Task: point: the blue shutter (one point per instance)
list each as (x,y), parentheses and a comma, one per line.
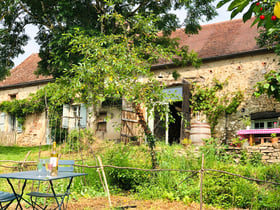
(65,116)
(83,115)
(2,121)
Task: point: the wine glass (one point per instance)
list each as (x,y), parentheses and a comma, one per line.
(40,167)
(48,167)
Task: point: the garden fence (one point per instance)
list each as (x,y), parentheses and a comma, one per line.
(22,165)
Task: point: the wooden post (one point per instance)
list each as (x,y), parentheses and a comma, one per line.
(201,181)
(105,180)
(167,128)
(251,139)
(186,118)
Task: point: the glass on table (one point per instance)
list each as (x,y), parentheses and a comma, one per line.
(48,167)
(40,164)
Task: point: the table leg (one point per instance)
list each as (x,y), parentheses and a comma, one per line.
(19,197)
(66,193)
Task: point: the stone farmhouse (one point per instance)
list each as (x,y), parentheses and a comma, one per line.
(228,51)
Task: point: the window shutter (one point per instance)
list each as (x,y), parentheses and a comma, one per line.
(65,116)
(2,121)
(19,127)
(83,115)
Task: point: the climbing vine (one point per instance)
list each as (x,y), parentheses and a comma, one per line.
(43,100)
(210,101)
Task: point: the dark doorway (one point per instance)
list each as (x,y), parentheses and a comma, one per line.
(175,127)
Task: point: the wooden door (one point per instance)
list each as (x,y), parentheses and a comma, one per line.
(130,128)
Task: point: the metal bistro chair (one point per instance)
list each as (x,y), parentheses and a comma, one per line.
(6,197)
(63,166)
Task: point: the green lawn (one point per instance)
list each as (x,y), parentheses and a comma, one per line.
(19,153)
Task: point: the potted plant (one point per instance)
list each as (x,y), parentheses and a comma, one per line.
(247,122)
(238,142)
(274,138)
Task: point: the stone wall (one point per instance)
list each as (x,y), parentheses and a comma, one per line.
(242,73)
(270,153)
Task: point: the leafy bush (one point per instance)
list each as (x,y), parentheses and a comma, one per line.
(219,189)
(126,156)
(78,139)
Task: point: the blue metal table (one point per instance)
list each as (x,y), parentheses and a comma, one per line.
(34,175)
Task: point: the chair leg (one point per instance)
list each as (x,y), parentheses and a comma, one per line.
(6,206)
(34,204)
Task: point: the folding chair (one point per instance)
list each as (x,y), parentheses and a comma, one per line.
(6,197)
(63,166)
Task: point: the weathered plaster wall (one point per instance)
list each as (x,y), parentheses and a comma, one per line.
(34,129)
(242,73)
(111,123)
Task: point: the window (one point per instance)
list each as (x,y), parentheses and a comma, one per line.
(74,116)
(12,123)
(13,96)
(265,123)
(9,123)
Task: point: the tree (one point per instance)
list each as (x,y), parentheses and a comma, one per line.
(57,17)
(267,18)
(100,49)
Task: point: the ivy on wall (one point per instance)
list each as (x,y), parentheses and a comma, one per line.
(21,108)
(42,100)
(212,102)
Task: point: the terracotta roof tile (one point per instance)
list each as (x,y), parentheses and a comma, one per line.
(219,39)
(24,72)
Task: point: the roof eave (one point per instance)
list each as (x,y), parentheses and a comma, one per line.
(213,58)
(25,84)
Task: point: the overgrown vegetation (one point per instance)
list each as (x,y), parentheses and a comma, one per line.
(219,189)
(207,99)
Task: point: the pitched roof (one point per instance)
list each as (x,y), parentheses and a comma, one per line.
(24,73)
(220,39)
(213,40)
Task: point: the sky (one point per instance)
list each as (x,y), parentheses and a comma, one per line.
(32,47)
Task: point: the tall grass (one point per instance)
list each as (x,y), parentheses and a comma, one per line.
(220,190)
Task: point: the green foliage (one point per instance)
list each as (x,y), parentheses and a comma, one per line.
(268,36)
(175,75)
(214,151)
(79,139)
(206,99)
(238,141)
(219,189)
(56,18)
(269,86)
(125,156)
(256,159)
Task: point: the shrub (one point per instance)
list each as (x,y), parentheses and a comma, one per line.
(78,139)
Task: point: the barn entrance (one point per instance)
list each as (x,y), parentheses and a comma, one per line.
(170,134)
(175,127)
(173,130)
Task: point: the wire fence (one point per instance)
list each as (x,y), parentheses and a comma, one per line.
(25,165)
